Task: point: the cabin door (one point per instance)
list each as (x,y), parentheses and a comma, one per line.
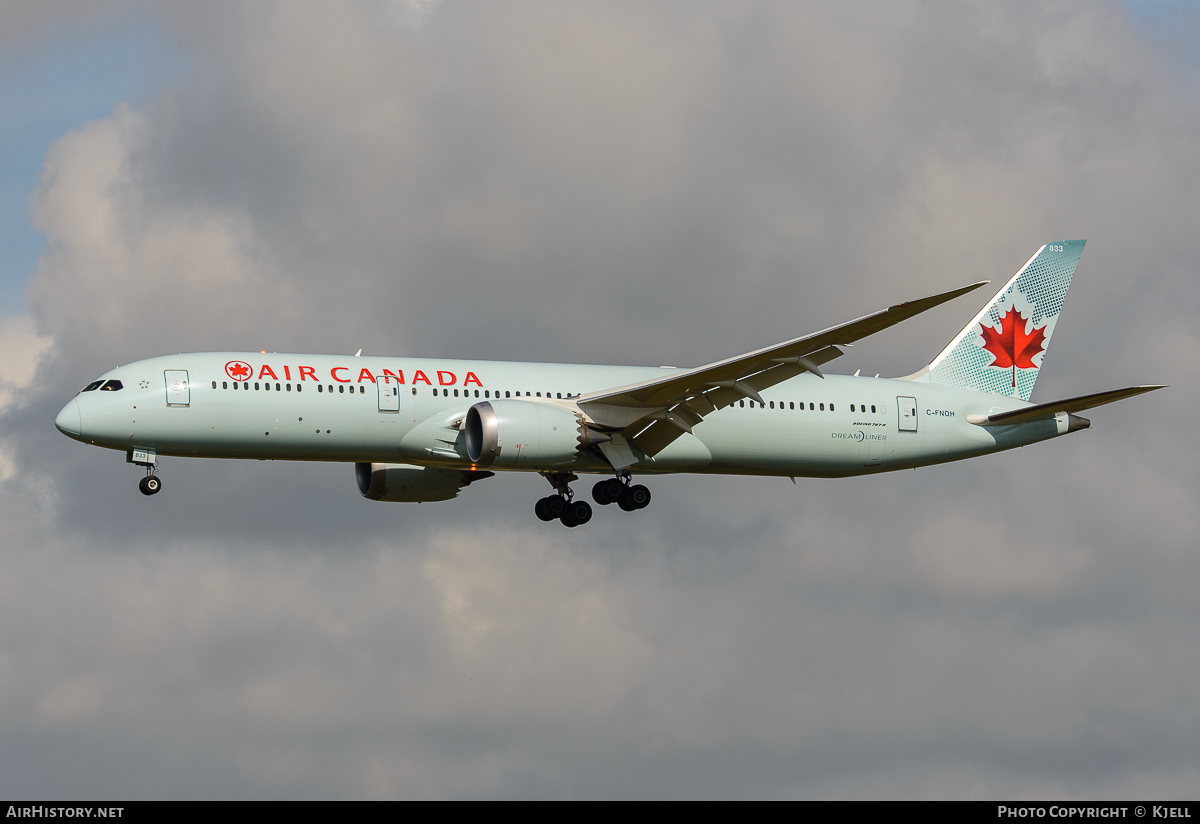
(179,391)
(389,393)
(906,408)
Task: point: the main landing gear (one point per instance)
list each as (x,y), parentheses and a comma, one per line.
(563,506)
(622,492)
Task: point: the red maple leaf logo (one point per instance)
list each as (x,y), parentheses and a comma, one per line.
(1010,345)
(238,370)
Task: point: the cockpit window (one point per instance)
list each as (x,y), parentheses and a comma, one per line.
(91,387)
(111,386)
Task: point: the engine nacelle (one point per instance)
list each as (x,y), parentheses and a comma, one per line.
(414,484)
(512,433)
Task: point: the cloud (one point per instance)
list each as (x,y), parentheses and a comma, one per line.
(22,349)
(600,183)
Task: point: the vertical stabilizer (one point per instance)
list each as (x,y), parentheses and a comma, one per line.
(1001,350)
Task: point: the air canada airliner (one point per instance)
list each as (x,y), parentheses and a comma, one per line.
(422,429)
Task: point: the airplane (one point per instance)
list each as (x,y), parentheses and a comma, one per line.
(421,430)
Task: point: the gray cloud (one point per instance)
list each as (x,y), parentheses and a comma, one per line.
(612,183)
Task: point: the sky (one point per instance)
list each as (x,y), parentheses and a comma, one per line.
(638,183)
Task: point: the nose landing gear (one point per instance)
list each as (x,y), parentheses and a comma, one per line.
(151,484)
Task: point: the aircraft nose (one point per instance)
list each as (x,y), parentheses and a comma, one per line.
(68,420)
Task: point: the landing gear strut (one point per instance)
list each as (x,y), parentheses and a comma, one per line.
(563,506)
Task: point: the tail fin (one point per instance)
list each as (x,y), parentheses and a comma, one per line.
(1001,349)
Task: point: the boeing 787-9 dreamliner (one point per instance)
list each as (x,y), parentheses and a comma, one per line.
(422,429)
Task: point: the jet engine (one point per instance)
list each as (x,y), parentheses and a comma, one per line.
(513,433)
(406,482)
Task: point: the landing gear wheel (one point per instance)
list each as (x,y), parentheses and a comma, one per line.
(555,506)
(634,497)
(577,514)
(149,485)
(540,510)
(607,491)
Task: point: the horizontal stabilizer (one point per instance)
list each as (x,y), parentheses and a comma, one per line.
(1049,410)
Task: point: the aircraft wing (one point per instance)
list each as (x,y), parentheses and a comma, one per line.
(1049,410)
(651,414)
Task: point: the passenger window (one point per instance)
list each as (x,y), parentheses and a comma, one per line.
(224,384)
(830,407)
(276,387)
(872,407)
(506,393)
(414,390)
(320,388)
(742,404)
(289,387)
(558,395)
(792,405)
(342,390)
(851,407)
(822,407)
(362,390)
(299,387)
(486,393)
(810,407)
(772,404)
(477,393)
(256,386)
(539,394)
(214,384)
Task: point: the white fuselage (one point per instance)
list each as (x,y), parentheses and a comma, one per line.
(330,408)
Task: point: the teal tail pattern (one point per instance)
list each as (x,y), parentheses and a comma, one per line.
(1001,350)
